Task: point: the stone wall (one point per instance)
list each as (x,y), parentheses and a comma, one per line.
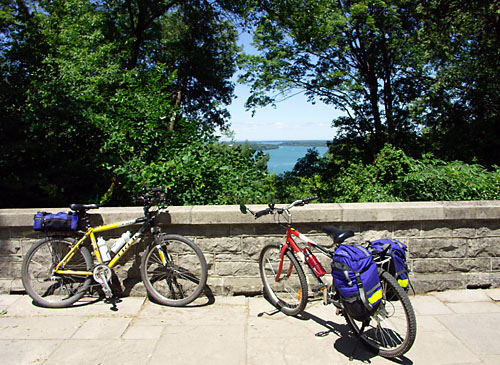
(452,245)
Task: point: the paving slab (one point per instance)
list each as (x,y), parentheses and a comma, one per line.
(88,306)
(474,307)
(202,344)
(478,331)
(144,329)
(221,311)
(462,296)
(101,351)
(8,300)
(41,328)
(102,328)
(440,347)
(429,305)
(494,294)
(27,351)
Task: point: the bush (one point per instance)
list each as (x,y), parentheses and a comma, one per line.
(393,176)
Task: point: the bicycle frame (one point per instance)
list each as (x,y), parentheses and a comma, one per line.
(90,233)
(296,249)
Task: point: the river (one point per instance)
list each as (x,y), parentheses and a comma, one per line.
(285,157)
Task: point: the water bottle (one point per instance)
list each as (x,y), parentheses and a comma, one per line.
(120,242)
(313,262)
(103,249)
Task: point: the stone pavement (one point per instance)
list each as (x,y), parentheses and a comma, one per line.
(454,327)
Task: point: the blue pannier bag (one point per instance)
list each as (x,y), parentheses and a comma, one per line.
(48,222)
(355,276)
(397,267)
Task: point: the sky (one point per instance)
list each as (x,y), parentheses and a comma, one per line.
(292,119)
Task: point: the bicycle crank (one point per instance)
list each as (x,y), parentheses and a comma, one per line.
(102,274)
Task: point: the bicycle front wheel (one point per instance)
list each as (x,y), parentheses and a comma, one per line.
(391,330)
(43,285)
(174,270)
(288,290)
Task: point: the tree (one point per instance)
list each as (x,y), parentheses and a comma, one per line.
(92,93)
(308,165)
(359,56)
(44,115)
(461,110)
(192,37)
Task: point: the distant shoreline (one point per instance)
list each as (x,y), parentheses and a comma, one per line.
(271,145)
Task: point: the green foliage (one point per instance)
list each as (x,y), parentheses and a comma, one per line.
(432,179)
(100,98)
(359,56)
(307,165)
(394,176)
(460,110)
(201,172)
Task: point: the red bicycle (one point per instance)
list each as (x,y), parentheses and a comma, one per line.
(390,331)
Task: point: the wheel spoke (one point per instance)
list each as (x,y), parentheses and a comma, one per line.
(174,271)
(287,290)
(46,288)
(392,328)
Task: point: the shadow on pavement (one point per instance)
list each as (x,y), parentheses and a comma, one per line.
(347,343)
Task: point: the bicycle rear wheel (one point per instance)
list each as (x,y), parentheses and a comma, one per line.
(391,330)
(48,289)
(288,292)
(174,270)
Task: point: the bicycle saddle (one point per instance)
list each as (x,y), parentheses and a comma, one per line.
(77,207)
(339,235)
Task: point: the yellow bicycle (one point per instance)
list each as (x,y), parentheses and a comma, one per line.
(59,269)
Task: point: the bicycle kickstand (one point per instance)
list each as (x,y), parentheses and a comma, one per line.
(351,358)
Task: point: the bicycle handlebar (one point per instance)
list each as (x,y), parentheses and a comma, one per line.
(272,208)
(153,197)
(260,213)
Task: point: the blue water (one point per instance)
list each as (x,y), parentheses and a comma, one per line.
(285,157)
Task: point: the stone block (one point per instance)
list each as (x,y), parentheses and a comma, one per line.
(461,230)
(10,247)
(10,268)
(319,213)
(424,283)
(495,264)
(370,231)
(389,212)
(220,245)
(237,268)
(483,247)
(251,247)
(404,230)
(488,228)
(436,229)
(438,247)
(450,265)
(200,230)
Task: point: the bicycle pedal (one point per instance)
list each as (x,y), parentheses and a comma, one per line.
(318,288)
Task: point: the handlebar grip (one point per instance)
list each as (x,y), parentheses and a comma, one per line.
(311,198)
(262,212)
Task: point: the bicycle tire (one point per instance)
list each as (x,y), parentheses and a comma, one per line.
(395,334)
(179,277)
(55,290)
(290,294)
